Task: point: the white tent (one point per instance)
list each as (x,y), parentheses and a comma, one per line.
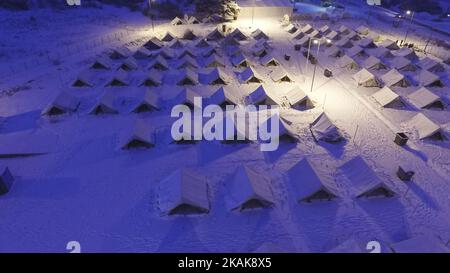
(325,29)
(333,35)
(298,99)
(249,75)
(215,35)
(366,43)
(120,78)
(363,30)
(356,51)
(210,51)
(298,34)
(168,37)
(6,180)
(192,20)
(366,79)
(307,29)
(344,42)
(183,192)
(202,43)
(258,96)
(240,132)
(280,75)
(344,30)
(153,78)
(347,62)
(353,36)
(149,102)
(291,28)
(159,63)
(431,65)
(303,42)
(428,79)
(269,60)
(425,243)
(403,64)
(405,52)
(386,97)
(240,61)
(389,44)
(175,44)
(365,182)
(424,98)
(229,42)
(64,103)
(373,63)
(138,137)
(129,63)
(102,62)
(334,51)
(259,34)
(142,53)
(238,35)
(187,62)
(187,52)
(249,189)
(425,127)
(120,53)
(222,97)
(394,78)
(84,79)
(311,183)
(323,129)
(188,77)
(153,44)
(216,76)
(260,51)
(285,133)
(176,21)
(104,105)
(189,35)
(315,34)
(381,52)
(214,61)
(167,53)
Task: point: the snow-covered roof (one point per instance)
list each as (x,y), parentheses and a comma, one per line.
(152,78)
(187,62)
(159,63)
(175,43)
(348,62)
(102,62)
(142,53)
(238,35)
(257,96)
(385,96)
(381,52)
(153,44)
(250,75)
(177,21)
(310,182)
(240,61)
(344,30)
(139,136)
(425,243)
(423,98)
(221,96)
(366,79)
(298,34)
(323,129)
(249,189)
(431,65)
(296,96)
(333,51)
(401,63)
(104,105)
(280,75)
(269,60)
(315,34)
(216,76)
(63,103)
(355,50)
(214,60)
(183,192)
(215,35)
(389,44)
(149,101)
(304,41)
(373,63)
(424,126)
(405,52)
(259,34)
(189,35)
(120,53)
(307,29)
(324,29)
(167,53)
(168,37)
(192,20)
(291,28)
(84,79)
(119,78)
(202,43)
(363,30)
(366,42)
(332,35)
(129,63)
(188,77)
(426,78)
(187,52)
(344,42)
(364,181)
(394,78)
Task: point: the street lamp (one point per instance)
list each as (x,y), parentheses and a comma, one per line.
(150,2)
(316,42)
(411,13)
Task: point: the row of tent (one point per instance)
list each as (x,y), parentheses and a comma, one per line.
(422,98)
(185,192)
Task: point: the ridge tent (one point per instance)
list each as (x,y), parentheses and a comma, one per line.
(334,51)
(139,137)
(153,44)
(347,62)
(120,78)
(259,34)
(104,105)
(259,96)
(183,193)
(249,189)
(129,64)
(229,42)
(353,36)
(240,61)
(356,51)
(176,21)
(285,133)
(280,75)
(214,61)
(215,77)
(365,182)
(6,180)
(344,42)
(187,52)
(323,129)
(168,37)
(188,77)
(64,103)
(102,62)
(428,79)
(166,53)
(403,64)
(389,44)
(315,34)
(238,35)
(382,52)
(84,79)
(153,78)
(291,28)
(431,65)
(210,51)
(333,35)
(202,43)
(260,51)
(344,30)
(175,44)
(297,99)
(367,43)
(159,63)
(298,35)
(189,35)
(425,243)
(249,75)
(148,102)
(193,20)
(142,53)
(269,60)
(405,52)
(426,128)
(187,62)
(120,53)
(366,79)
(424,98)
(215,35)
(221,97)
(325,29)
(374,63)
(394,78)
(363,30)
(387,98)
(311,183)
(307,29)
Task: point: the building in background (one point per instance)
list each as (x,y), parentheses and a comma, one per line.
(264,8)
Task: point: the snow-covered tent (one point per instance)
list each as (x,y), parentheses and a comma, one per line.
(303,42)
(347,62)
(64,103)
(240,61)
(167,53)
(323,129)
(424,98)
(229,42)
(356,51)
(381,52)
(373,63)
(394,78)
(298,99)
(214,61)
(350,245)
(216,77)
(148,102)
(120,78)
(365,182)
(210,51)
(84,79)
(431,65)
(425,127)
(344,42)
(183,193)
(142,53)
(333,35)
(102,62)
(260,51)
(192,20)
(215,35)
(291,28)
(344,30)
(189,35)
(307,29)
(280,75)
(258,97)
(366,79)
(153,44)
(325,29)
(6,180)
(238,35)
(153,78)
(403,64)
(159,63)
(259,34)
(129,64)
(176,21)
(405,52)
(120,53)
(175,44)
(104,105)
(202,43)
(389,44)
(139,136)
(187,97)
(353,36)
(187,62)
(311,183)
(363,30)
(269,60)
(315,34)
(249,75)
(334,51)
(221,97)
(366,43)
(187,52)
(298,34)
(425,243)
(428,79)
(249,190)
(168,37)
(188,77)
(387,98)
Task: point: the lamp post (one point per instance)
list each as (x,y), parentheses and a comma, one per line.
(253,11)
(150,2)
(411,13)
(317,42)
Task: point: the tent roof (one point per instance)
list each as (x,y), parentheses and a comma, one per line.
(366,42)
(355,50)
(381,52)
(430,64)
(372,62)
(221,95)
(323,129)
(385,96)
(168,37)
(177,21)
(363,76)
(400,63)
(426,78)
(104,61)
(259,34)
(257,96)
(239,59)
(392,77)
(279,73)
(307,28)
(345,61)
(140,132)
(389,44)
(215,35)
(332,35)
(424,126)
(420,244)
(248,73)
(268,58)
(121,76)
(296,95)
(333,51)
(215,74)
(189,35)
(153,44)
(175,43)
(404,52)
(65,102)
(187,73)
(423,97)
(238,35)
(362,30)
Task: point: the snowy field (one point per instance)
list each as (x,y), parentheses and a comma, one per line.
(74,182)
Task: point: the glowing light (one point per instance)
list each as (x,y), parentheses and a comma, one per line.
(328,41)
(315,42)
(408,12)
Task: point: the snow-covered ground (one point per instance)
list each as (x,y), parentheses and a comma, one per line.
(80,186)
